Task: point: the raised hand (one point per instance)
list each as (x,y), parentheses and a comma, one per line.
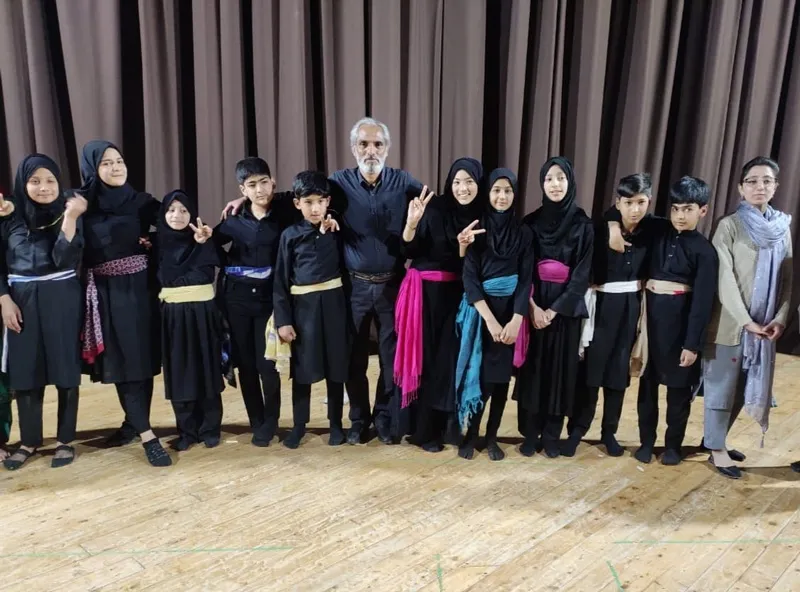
(467,236)
(6,207)
(416,207)
(75,206)
(328,224)
(202,232)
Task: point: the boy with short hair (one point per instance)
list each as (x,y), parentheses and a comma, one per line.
(246,289)
(680,294)
(614,355)
(310,306)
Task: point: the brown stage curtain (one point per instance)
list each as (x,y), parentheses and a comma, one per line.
(186,88)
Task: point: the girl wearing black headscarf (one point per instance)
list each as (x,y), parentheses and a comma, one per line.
(120,334)
(191,328)
(497,286)
(428,300)
(563,243)
(41,300)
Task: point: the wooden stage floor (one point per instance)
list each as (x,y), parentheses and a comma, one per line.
(388,518)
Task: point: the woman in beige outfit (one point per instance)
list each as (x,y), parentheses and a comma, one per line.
(755,280)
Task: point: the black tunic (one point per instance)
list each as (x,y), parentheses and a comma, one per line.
(191,332)
(546,382)
(482,264)
(128,303)
(253,243)
(307,257)
(48,350)
(678,322)
(607,359)
(434,248)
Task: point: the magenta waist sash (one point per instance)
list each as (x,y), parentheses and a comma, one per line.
(408,326)
(553,271)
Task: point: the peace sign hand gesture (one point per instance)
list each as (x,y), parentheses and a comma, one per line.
(202,232)
(416,207)
(328,224)
(467,236)
(6,207)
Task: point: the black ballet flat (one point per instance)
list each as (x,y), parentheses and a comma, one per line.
(156,455)
(211,441)
(63,461)
(737,456)
(732,472)
(12,465)
(795,466)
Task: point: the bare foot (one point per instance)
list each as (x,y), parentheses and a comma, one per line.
(3,454)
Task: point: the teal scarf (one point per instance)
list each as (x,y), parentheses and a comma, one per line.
(470,352)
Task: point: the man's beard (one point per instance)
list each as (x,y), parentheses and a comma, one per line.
(371,168)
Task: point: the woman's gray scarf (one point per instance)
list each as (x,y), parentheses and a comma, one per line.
(768,232)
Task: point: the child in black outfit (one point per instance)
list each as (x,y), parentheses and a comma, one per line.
(310,311)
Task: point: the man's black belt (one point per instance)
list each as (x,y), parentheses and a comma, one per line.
(373,278)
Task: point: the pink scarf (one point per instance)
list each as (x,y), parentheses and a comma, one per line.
(523,339)
(408,325)
(92,334)
(553,271)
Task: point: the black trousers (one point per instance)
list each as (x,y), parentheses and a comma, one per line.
(368,302)
(301,403)
(497,394)
(259,380)
(30,405)
(145,390)
(199,420)
(679,405)
(612,411)
(136,398)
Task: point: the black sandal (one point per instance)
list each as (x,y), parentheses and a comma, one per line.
(63,461)
(12,465)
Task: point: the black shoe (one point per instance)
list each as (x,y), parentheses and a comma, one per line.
(292,441)
(120,438)
(671,457)
(795,466)
(612,446)
(181,444)
(211,441)
(156,455)
(336,437)
(13,464)
(552,449)
(731,472)
(354,435)
(263,435)
(384,432)
(434,446)
(736,456)
(644,454)
(63,461)
(529,447)
(494,451)
(467,449)
(570,446)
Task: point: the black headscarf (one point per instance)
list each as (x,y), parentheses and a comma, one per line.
(458,216)
(101,197)
(177,249)
(554,218)
(37,216)
(505,234)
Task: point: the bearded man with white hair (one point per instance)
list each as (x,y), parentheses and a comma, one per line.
(371,202)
